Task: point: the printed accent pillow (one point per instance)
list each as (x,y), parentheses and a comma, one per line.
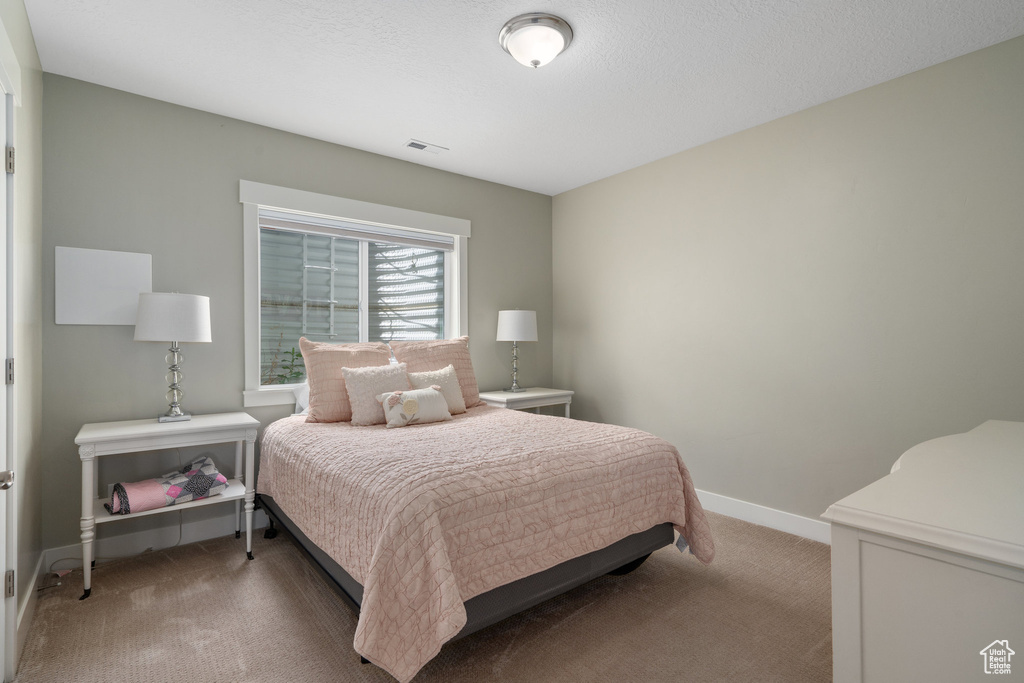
(328,398)
(447,382)
(419,406)
(365,384)
(438,354)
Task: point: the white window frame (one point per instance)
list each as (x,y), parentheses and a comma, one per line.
(254,195)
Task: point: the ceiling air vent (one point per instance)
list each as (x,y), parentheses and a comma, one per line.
(425,147)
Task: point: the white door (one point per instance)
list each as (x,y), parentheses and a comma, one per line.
(9,609)
(10,86)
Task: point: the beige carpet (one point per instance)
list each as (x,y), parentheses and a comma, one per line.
(198,613)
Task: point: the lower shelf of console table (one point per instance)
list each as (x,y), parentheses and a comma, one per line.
(234,492)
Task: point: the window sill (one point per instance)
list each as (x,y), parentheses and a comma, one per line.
(268,396)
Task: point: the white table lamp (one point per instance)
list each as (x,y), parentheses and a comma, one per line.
(173,318)
(517,326)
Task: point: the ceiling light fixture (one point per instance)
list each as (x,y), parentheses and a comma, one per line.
(535,39)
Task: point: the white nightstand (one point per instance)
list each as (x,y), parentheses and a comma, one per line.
(136,436)
(535,398)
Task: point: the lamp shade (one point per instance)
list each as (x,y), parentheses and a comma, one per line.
(167,317)
(517,326)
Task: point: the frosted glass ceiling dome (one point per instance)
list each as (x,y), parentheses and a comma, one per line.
(535,39)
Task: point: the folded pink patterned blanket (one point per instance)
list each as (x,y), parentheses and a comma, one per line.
(198,479)
(428,518)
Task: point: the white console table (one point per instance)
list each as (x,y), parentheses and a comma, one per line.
(928,562)
(136,436)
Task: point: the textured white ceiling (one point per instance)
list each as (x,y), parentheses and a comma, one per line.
(642,79)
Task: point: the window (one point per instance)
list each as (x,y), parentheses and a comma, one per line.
(312,272)
(349,276)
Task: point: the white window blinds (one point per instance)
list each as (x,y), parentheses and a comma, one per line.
(406,292)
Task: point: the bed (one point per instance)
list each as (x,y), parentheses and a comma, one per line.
(436,530)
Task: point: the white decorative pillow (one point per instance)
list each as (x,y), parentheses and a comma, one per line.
(448,382)
(365,384)
(301,392)
(418,406)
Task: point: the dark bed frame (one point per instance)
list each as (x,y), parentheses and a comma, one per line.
(491,607)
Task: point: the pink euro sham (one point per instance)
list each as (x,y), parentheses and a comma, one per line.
(328,397)
(420,356)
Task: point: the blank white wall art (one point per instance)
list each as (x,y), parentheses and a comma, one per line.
(99,287)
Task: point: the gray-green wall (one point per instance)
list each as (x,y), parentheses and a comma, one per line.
(795,305)
(127,173)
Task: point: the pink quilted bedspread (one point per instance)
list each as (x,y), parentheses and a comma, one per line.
(429,516)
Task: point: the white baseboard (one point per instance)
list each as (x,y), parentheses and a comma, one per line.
(125,545)
(27,608)
(814,529)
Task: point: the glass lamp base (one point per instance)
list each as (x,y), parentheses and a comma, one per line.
(183,417)
(174,393)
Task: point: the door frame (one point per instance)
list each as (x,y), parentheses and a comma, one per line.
(10,88)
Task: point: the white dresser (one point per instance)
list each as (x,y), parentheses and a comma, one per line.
(928,563)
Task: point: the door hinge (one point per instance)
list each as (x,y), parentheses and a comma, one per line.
(9,372)
(9,584)
(9,159)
